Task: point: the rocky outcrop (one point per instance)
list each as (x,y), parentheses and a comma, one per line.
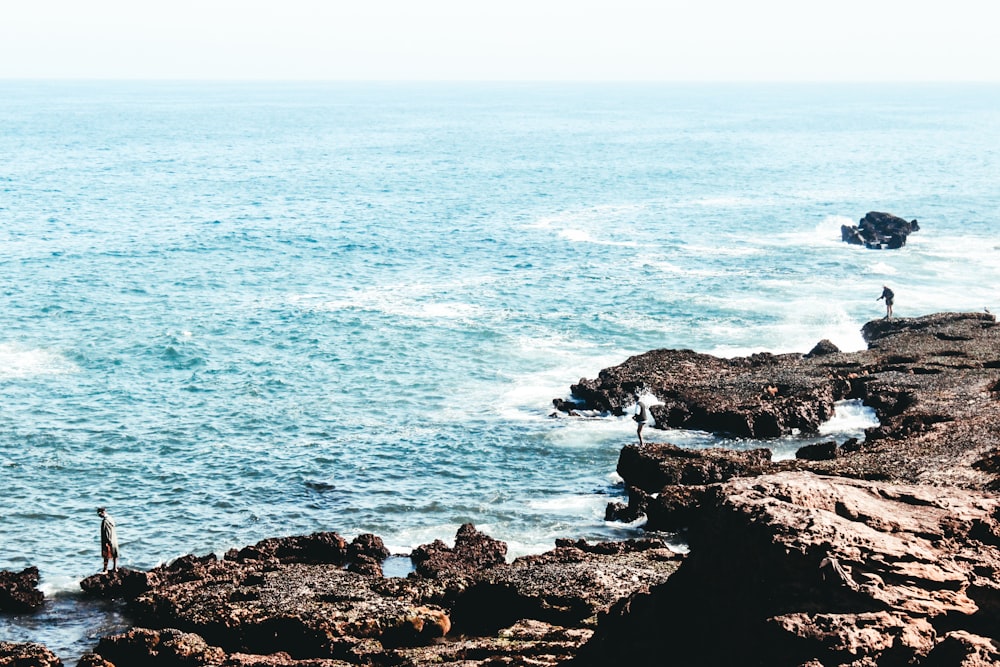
(879,230)
(792,567)
(877,552)
(270,604)
(933,382)
(19,591)
(27,655)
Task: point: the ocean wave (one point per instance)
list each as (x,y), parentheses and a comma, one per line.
(17,361)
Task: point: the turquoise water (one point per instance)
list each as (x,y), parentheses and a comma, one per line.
(238,311)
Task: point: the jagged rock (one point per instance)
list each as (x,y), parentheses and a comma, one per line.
(760,396)
(963,649)
(527,643)
(797,566)
(567,586)
(823,348)
(309,611)
(159,648)
(473,552)
(27,655)
(93,660)
(324,547)
(19,590)
(879,230)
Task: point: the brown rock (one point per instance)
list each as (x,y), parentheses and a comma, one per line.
(19,591)
(474,551)
(798,566)
(27,655)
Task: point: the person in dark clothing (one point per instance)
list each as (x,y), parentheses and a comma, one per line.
(641,417)
(109,539)
(888,295)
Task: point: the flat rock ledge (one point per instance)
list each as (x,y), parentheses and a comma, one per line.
(795,568)
(298,602)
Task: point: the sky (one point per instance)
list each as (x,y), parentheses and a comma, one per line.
(505,40)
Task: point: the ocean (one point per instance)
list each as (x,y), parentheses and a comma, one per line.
(237,311)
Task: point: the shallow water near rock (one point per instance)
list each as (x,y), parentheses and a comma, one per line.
(238,311)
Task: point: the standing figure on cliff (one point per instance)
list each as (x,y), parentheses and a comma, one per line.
(888,295)
(641,417)
(109,540)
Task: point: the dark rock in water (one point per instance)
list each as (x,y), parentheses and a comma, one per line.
(879,230)
(27,655)
(121,583)
(820,451)
(19,591)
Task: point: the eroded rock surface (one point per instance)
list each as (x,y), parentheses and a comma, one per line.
(795,566)
(14,654)
(19,590)
(933,381)
(265,606)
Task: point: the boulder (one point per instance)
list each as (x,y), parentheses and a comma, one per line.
(14,654)
(879,230)
(473,552)
(19,591)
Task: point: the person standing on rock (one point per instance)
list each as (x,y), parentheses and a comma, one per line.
(888,295)
(641,417)
(109,540)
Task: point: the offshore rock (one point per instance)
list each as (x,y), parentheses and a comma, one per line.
(19,591)
(27,655)
(879,230)
(798,567)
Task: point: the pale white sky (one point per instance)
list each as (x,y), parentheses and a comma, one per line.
(669,40)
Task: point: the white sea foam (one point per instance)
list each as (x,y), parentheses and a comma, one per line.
(396,302)
(849,417)
(17,361)
(59,585)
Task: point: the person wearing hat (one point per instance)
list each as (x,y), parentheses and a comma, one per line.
(109,540)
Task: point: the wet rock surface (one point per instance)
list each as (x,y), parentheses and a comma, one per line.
(19,591)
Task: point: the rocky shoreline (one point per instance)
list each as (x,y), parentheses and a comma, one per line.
(882,552)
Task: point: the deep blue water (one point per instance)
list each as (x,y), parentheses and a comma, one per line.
(231,311)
